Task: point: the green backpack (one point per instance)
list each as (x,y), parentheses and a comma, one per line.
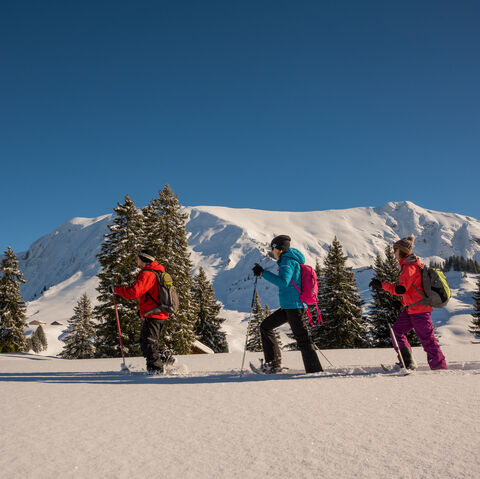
(435,286)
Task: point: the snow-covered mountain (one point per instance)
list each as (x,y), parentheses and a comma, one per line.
(60,266)
(227,242)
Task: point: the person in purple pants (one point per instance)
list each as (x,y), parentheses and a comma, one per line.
(413,316)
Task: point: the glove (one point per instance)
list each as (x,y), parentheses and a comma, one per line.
(111,288)
(399,289)
(257,270)
(375,284)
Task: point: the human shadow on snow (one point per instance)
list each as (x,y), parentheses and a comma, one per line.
(125,378)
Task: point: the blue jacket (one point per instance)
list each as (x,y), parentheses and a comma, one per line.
(289,264)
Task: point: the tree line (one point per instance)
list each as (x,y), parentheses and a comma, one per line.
(161,227)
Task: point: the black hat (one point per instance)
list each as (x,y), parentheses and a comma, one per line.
(281,242)
(147,256)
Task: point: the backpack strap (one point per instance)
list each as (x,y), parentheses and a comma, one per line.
(307,309)
(417,290)
(147,294)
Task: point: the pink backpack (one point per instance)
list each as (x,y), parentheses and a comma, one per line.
(309,292)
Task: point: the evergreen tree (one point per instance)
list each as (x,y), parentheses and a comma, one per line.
(475,326)
(340,303)
(80,334)
(118,259)
(165,235)
(12,306)
(41,336)
(385,307)
(36,343)
(208,325)
(254,341)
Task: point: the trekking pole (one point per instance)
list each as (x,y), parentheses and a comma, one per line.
(315,346)
(249,321)
(124,366)
(320,351)
(395,343)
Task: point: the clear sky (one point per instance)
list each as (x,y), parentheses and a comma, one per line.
(280,105)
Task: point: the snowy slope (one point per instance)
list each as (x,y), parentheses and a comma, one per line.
(85,419)
(227,242)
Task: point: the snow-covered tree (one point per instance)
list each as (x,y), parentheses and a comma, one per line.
(208,326)
(36,343)
(118,259)
(385,307)
(165,235)
(42,338)
(12,306)
(80,335)
(340,304)
(254,340)
(475,326)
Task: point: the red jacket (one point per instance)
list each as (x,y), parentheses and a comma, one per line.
(146,283)
(410,276)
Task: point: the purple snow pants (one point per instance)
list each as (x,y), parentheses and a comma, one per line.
(422,324)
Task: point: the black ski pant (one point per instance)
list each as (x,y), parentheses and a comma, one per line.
(149,342)
(295,318)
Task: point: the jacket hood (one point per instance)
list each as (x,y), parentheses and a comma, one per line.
(294,254)
(411,258)
(155,266)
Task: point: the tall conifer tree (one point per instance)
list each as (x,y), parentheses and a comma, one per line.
(165,235)
(340,304)
(386,307)
(475,326)
(254,340)
(40,332)
(118,258)
(12,307)
(208,326)
(80,334)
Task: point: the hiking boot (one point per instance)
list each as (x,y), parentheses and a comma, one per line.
(408,359)
(168,358)
(272,367)
(155,370)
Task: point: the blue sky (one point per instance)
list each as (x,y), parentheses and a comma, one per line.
(278,105)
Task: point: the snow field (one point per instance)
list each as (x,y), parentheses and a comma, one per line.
(87,419)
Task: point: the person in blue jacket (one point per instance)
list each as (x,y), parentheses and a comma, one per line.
(291,308)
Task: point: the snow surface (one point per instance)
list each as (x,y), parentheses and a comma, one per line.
(86,419)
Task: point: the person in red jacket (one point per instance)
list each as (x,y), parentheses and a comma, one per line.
(413,316)
(145,290)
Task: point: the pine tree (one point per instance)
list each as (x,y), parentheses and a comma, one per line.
(80,334)
(340,303)
(165,235)
(42,338)
(36,343)
(475,326)
(254,341)
(208,325)
(386,307)
(118,259)
(12,306)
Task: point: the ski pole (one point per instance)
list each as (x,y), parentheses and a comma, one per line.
(124,366)
(249,321)
(315,346)
(395,343)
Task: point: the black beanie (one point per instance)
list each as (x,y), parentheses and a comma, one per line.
(147,256)
(281,242)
